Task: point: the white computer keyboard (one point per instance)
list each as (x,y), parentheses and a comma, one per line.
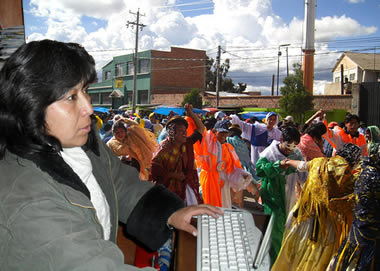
(230,242)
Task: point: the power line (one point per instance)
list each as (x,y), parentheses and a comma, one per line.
(187,4)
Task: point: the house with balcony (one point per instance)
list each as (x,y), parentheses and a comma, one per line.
(353,69)
(163,77)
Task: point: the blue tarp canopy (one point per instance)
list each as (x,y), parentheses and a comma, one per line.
(178,110)
(101,109)
(259,115)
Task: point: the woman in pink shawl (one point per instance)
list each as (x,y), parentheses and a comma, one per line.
(311,143)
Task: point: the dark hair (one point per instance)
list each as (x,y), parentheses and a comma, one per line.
(350,117)
(36,75)
(119,124)
(351,153)
(316,130)
(234,132)
(290,134)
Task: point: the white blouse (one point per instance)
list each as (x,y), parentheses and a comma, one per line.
(78,160)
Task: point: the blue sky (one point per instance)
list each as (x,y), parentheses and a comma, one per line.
(249,31)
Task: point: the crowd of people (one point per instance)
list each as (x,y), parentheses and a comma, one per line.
(302,174)
(71,174)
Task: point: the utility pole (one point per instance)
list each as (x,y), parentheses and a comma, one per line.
(278,61)
(217,76)
(135,59)
(287,62)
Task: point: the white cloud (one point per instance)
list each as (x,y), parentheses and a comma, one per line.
(248,30)
(356,1)
(343,26)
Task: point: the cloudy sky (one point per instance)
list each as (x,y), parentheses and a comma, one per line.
(249,31)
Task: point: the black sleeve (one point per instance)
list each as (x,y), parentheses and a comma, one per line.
(195,137)
(147,224)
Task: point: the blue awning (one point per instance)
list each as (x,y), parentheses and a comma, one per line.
(178,110)
(101,109)
(259,115)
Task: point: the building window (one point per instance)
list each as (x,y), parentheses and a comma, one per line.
(337,79)
(107,75)
(144,65)
(352,76)
(143,97)
(119,69)
(105,98)
(94,98)
(130,67)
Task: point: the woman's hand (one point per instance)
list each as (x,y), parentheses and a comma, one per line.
(181,219)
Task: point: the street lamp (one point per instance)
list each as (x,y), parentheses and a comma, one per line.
(278,62)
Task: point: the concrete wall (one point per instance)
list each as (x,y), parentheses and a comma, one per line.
(326,102)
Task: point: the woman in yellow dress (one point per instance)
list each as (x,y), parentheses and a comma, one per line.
(322,217)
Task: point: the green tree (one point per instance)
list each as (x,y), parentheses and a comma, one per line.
(295,100)
(226,83)
(193,97)
(241,87)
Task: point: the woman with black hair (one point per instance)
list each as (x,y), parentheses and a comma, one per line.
(134,145)
(63,191)
(311,143)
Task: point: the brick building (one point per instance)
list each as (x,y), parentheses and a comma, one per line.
(163,77)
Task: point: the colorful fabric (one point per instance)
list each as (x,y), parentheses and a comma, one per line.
(338,137)
(360,250)
(169,159)
(258,134)
(375,137)
(242,150)
(139,144)
(321,218)
(309,148)
(220,169)
(272,192)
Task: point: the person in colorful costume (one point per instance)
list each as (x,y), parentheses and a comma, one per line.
(260,135)
(157,127)
(311,144)
(173,163)
(361,250)
(133,142)
(220,167)
(322,217)
(349,134)
(241,148)
(273,171)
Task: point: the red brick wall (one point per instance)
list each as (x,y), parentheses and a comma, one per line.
(173,76)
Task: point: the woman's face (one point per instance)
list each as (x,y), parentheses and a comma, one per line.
(68,119)
(120,134)
(180,135)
